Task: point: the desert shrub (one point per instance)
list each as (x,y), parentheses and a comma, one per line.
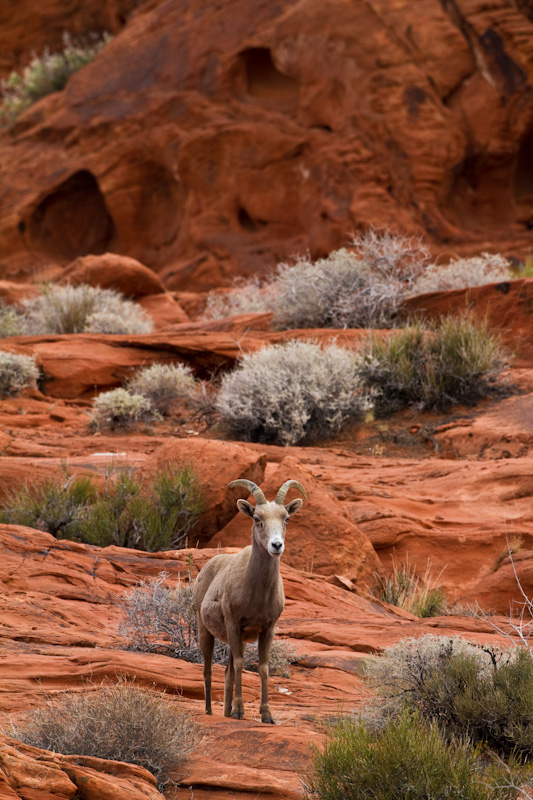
(361,288)
(483,693)
(246,297)
(163,385)
(118,722)
(16,372)
(162,619)
(11,322)
(462,273)
(408,758)
(290,393)
(405,588)
(83,309)
(46,74)
(152,514)
(453,361)
(120,409)
(57,506)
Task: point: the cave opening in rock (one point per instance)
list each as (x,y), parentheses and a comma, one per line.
(523,177)
(263,80)
(72,220)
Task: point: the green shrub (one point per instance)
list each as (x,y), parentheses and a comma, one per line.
(46,74)
(162,619)
(482,693)
(406,759)
(454,361)
(291,393)
(151,514)
(163,385)
(120,409)
(148,514)
(462,273)
(408,590)
(83,309)
(55,506)
(117,722)
(16,372)
(11,323)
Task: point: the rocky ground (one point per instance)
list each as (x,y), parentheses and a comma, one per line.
(440,492)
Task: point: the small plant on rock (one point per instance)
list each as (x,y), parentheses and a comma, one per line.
(11,322)
(46,74)
(163,385)
(454,361)
(120,409)
(16,372)
(116,722)
(462,273)
(291,393)
(83,309)
(405,588)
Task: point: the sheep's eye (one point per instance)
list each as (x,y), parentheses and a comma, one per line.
(257,520)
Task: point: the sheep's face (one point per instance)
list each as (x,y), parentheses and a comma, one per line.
(270,522)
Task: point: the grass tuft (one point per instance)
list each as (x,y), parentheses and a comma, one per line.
(163,385)
(16,372)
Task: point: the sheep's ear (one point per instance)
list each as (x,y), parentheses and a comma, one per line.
(294,505)
(246,507)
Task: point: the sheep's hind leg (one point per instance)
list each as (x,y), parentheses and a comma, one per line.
(264,645)
(206,641)
(229,681)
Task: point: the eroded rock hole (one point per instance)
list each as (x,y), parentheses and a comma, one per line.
(72,220)
(263,80)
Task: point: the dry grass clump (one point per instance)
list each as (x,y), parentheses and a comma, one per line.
(83,309)
(46,74)
(121,409)
(417,594)
(162,619)
(291,393)
(11,322)
(148,514)
(408,758)
(16,372)
(462,273)
(163,385)
(453,361)
(246,297)
(117,722)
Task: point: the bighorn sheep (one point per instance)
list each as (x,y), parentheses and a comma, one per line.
(239,597)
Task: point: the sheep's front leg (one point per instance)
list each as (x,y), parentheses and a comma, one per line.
(229,681)
(264,644)
(207,644)
(237,654)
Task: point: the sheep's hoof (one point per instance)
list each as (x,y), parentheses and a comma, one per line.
(237,714)
(269,720)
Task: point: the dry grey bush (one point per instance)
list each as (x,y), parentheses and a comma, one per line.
(120,409)
(292,392)
(16,372)
(462,273)
(117,722)
(83,309)
(163,385)
(246,297)
(162,619)
(11,322)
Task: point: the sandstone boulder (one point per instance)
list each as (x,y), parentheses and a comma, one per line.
(112,271)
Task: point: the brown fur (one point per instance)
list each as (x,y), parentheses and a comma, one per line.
(239,598)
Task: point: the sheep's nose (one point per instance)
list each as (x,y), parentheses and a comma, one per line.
(277,546)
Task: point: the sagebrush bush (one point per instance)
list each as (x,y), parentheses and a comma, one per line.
(162,619)
(117,722)
(155,513)
(452,361)
(11,322)
(83,309)
(46,74)
(249,297)
(408,758)
(461,273)
(405,588)
(163,385)
(119,408)
(57,506)
(16,372)
(291,393)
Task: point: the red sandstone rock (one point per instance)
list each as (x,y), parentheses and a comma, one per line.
(112,271)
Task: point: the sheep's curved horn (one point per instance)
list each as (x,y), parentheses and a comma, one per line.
(282,491)
(253,488)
